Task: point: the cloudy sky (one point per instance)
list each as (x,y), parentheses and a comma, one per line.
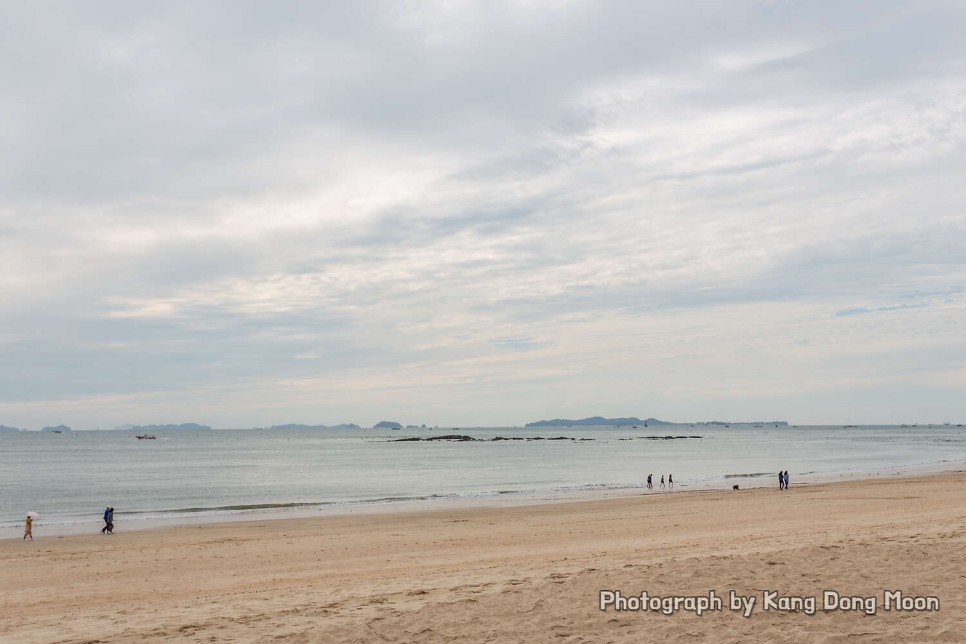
(482,213)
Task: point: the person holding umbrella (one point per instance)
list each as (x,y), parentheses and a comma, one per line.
(29,526)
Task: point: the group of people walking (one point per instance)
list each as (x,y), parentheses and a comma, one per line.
(650,481)
(28,528)
(108,521)
(109,511)
(783,480)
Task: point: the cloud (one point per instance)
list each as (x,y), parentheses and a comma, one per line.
(328,210)
(878,309)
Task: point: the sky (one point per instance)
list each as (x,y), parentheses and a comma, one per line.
(482,213)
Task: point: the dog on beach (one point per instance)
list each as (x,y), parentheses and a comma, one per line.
(734,487)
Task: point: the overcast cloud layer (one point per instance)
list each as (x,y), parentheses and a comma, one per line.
(482,213)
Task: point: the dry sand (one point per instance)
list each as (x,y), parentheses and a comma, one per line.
(518,574)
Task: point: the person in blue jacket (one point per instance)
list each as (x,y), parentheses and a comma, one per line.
(108,521)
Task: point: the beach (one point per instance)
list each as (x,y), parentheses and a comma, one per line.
(527,573)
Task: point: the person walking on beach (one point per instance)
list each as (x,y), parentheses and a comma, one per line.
(670,480)
(781,480)
(786,479)
(108,521)
(28,528)
(662,480)
(650,483)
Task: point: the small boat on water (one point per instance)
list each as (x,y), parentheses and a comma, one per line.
(146,437)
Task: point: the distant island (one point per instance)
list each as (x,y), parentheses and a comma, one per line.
(387,424)
(299,426)
(742,423)
(600,421)
(166,428)
(57,429)
(4,428)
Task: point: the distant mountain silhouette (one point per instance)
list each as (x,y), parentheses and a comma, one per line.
(597,421)
(387,424)
(57,429)
(168,428)
(600,421)
(299,426)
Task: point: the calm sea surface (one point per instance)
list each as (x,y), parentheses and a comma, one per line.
(69,478)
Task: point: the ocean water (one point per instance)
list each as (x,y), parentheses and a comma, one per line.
(186,476)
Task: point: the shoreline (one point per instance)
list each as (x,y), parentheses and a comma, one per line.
(525,573)
(215,516)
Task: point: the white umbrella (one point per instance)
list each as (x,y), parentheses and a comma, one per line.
(33,515)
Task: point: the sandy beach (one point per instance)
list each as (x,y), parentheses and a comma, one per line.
(515,574)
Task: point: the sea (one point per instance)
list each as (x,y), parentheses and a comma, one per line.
(185,477)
